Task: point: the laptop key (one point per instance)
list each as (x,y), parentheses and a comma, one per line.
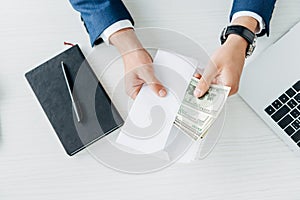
(283,98)
(290,92)
(270,110)
(298,107)
(280,113)
(295,113)
(277,104)
(289,130)
(297,97)
(296,136)
(296,86)
(292,103)
(296,124)
(285,121)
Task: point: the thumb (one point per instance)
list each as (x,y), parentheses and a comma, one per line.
(154,84)
(206,79)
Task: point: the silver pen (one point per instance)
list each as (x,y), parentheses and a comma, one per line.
(70,92)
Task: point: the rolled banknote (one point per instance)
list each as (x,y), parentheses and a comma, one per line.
(196,115)
(210,103)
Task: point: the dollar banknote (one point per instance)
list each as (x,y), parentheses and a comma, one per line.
(196,115)
(210,103)
(193,115)
(191,128)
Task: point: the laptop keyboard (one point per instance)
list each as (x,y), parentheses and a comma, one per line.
(285,111)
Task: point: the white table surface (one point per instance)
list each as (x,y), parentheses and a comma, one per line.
(249,161)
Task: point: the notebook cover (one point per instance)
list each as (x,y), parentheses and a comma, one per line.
(99,116)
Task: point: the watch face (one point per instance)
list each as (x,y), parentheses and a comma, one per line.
(251,47)
(250,51)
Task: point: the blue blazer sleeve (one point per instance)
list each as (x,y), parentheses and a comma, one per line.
(263,8)
(97,15)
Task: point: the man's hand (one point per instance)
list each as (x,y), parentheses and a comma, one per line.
(137,63)
(226,64)
(225,67)
(139,70)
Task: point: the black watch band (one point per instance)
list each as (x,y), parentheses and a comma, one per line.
(242,31)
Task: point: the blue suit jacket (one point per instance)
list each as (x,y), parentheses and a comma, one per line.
(264,8)
(97,15)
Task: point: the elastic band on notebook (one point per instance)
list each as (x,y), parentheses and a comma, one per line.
(68,43)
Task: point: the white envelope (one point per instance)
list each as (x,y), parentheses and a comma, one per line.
(151,118)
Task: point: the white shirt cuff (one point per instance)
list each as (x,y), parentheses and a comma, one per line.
(114,28)
(259,19)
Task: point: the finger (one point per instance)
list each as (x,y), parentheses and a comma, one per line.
(134,92)
(133,85)
(208,76)
(197,75)
(156,87)
(154,84)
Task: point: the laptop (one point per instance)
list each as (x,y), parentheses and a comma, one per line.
(270,84)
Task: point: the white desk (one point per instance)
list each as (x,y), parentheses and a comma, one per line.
(249,162)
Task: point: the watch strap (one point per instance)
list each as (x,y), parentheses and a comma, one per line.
(242,31)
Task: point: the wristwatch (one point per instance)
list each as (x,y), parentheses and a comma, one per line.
(242,31)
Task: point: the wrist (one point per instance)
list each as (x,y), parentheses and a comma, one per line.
(240,35)
(126,41)
(236,41)
(246,21)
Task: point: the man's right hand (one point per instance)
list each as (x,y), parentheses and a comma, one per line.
(227,62)
(137,63)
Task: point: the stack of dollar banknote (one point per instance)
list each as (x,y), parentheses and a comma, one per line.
(196,115)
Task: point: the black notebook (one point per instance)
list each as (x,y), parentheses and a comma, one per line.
(98,115)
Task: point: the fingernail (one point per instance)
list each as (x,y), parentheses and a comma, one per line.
(197,92)
(162,93)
